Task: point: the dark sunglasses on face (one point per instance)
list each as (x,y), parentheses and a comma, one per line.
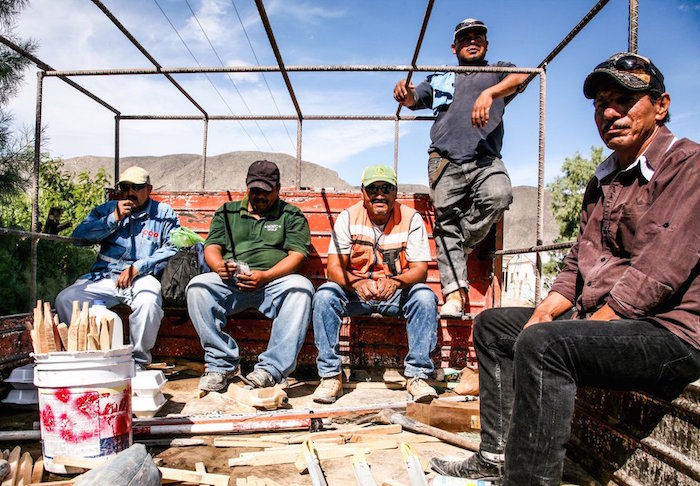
(374,189)
(125,186)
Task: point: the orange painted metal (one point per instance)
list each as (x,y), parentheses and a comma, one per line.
(365,341)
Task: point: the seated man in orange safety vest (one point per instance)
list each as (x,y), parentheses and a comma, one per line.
(377,262)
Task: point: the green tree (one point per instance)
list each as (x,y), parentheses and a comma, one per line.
(14,160)
(567,197)
(59,264)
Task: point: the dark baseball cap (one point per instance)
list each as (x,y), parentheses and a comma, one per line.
(628,70)
(263,174)
(469,24)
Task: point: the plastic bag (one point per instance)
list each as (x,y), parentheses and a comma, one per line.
(184,237)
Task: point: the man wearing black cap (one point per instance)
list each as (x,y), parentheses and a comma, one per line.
(631,278)
(254,248)
(469,184)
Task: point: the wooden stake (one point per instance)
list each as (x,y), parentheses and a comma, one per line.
(48,326)
(24,471)
(83,327)
(13,459)
(92,329)
(110,328)
(105,343)
(92,344)
(38,472)
(40,330)
(63,333)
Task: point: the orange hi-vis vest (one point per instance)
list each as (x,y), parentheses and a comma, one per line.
(373,256)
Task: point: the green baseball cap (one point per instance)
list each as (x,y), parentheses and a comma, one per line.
(375,173)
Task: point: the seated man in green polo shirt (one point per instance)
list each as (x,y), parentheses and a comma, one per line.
(254,248)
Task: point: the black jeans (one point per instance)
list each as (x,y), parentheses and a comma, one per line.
(528,380)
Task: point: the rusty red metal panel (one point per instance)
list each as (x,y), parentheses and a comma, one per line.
(14,342)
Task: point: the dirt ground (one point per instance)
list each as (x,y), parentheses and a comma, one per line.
(181,391)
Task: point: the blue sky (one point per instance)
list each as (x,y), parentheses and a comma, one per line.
(74,34)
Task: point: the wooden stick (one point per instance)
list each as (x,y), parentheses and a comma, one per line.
(24,473)
(73,329)
(374,430)
(13,459)
(35,341)
(110,328)
(63,333)
(83,327)
(105,344)
(166,472)
(56,334)
(92,344)
(48,326)
(38,472)
(92,329)
(40,330)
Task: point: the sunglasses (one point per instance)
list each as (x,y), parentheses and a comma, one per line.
(125,186)
(630,62)
(374,189)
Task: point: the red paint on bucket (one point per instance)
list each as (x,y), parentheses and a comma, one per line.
(88,404)
(62,395)
(47,418)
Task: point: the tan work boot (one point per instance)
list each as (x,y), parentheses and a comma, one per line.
(420,391)
(329,390)
(453,306)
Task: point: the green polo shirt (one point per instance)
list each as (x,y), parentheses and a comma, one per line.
(261,243)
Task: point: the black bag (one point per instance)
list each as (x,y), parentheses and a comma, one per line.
(180,269)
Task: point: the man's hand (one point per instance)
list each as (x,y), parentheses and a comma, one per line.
(366,289)
(538,316)
(225,269)
(123,209)
(386,288)
(482,106)
(252,281)
(127,277)
(605,313)
(404,95)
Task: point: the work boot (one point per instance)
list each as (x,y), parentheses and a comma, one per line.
(420,391)
(215,380)
(453,306)
(329,390)
(261,378)
(476,467)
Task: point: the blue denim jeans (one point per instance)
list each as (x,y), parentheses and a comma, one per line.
(416,304)
(528,380)
(468,199)
(286,300)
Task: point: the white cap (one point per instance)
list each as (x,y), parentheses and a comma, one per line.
(135,175)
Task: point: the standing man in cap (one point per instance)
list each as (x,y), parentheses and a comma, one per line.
(377,262)
(134,236)
(631,278)
(469,184)
(254,248)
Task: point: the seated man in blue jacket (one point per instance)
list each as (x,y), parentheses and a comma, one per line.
(134,236)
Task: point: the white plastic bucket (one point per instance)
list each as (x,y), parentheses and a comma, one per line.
(84,404)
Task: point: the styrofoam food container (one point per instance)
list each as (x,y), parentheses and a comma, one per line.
(147,383)
(22,377)
(147,406)
(22,396)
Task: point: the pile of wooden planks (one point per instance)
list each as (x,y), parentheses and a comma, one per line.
(48,335)
(23,471)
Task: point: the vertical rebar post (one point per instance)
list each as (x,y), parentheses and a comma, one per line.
(35,189)
(396,146)
(633,27)
(540,186)
(204,152)
(298,173)
(117,123)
